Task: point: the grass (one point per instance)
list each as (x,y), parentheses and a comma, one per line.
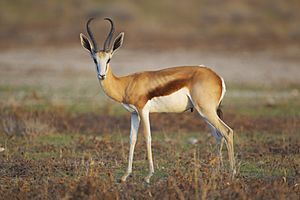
(259,170)
(56,139)
(260,100)
(266,111)
(76,157)
(70,148)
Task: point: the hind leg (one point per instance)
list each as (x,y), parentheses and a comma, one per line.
(220,141)
(210,115)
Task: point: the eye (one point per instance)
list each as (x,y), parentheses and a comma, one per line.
(108,60)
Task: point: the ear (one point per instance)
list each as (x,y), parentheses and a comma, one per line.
(118,42)
(85,42)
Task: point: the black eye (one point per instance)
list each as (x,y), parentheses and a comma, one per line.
(108,60)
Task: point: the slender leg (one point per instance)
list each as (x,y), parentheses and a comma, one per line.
(229,144)
(211,116)
(220,145)
(147,135)
(228,138)
(135,121)
(220,141)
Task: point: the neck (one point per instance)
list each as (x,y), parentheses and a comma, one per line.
(113,86)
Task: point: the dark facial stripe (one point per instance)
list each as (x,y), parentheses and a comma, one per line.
(98,72)
(167,89)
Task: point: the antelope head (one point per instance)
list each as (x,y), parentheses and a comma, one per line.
(101,57)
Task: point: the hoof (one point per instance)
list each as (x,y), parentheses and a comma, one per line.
(147,178)
(123,179)
(233,173)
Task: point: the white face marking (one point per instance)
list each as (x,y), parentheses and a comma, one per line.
(178,101)
(101,60)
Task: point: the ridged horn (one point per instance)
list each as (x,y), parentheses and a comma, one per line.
(110,35)
(91,34)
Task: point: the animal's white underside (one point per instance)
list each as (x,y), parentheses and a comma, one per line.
(176,102)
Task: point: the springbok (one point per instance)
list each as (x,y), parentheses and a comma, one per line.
(175,89)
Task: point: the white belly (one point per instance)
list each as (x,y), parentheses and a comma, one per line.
(178,101)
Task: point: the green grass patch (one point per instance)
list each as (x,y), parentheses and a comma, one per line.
(42,155)
(260,87)
(262,170)
(11,88)
(274,111)
(252,170)
(58,140)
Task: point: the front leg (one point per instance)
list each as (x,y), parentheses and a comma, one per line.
(135,122)
(147,135)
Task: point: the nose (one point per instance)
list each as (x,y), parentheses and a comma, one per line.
(102,77)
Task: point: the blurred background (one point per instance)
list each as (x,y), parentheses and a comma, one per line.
(251,43)
(212,24)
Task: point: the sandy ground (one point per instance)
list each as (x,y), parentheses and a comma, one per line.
(239,67)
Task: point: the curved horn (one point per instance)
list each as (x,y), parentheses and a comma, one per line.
(110,35)
(91,34)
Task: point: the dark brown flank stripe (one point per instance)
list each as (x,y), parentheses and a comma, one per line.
(167,89)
